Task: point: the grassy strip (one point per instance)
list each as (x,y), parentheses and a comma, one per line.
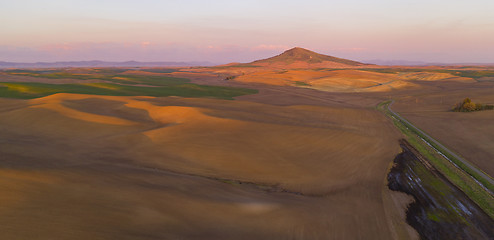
(116,84)
(300,83)
(110,75)
(456,161)
(36,90)
(457,176)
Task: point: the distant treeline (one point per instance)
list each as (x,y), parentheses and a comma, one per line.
(468,106)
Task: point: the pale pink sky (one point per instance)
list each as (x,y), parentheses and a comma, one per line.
(223,31)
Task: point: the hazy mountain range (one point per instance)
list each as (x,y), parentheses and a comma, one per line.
(293,55)
(100,64)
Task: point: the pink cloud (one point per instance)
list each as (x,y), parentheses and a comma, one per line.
(145,44)
(219,48)
(350,49)
(75,46)
(57,47)
(270,47)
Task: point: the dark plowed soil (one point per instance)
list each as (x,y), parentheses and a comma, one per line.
(440,210)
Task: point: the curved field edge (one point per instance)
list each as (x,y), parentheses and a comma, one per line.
(465,180)
(396,211)
(487,183)
(440,210)
(107,75)
(475,74)
(30,90)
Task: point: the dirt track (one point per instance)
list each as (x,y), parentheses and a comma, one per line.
(467,134)
(430,140)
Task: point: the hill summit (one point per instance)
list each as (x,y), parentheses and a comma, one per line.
(302,58)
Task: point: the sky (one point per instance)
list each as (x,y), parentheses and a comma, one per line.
(222,31)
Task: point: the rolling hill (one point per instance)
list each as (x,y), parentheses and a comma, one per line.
(304,68)
(302,58)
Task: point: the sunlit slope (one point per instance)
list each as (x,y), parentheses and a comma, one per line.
(304,68)
(302,58)
(173,166)
(329,80)
(261,146)
(468,134)
(347,80)
(28,84)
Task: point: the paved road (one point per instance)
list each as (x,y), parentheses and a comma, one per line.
(451,153)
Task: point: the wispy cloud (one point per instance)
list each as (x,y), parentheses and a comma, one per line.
(270,47)
(349,49)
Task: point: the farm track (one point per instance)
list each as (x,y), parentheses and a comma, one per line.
(428,139)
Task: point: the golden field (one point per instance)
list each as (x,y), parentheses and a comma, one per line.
(306,156)
(85,166)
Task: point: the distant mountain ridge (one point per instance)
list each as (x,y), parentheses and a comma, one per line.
(100,64)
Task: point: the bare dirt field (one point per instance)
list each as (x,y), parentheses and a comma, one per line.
(469,134)
(102,167)
(291,162)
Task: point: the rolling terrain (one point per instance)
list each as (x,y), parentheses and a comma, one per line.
(302,58)
(290,147)
(200,169)
(471,139)
(303,68)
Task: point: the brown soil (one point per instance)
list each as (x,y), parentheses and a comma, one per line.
(289,162)
(99,167)
(347,80)
(468,134)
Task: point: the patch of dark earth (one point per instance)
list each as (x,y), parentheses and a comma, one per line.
(440,209)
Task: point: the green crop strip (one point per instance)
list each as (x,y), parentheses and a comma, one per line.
(36,90)
(460,176)
(113,81)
